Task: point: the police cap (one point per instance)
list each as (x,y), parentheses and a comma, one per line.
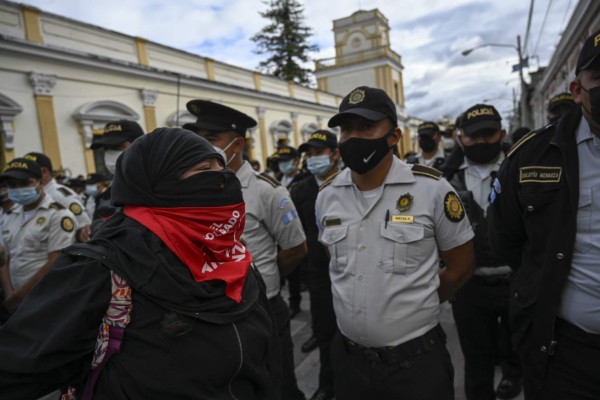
(480,119)
(560,99)
(428,128)
(118,132)
(95,178)
(589,56)
(215,117)
(40,159)
(319,140)
(366,102)
(285,153)
(22,169)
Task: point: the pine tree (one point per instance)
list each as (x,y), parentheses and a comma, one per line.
(285,39)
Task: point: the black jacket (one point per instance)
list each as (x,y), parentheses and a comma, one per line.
(533,227)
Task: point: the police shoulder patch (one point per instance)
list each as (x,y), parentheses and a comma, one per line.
(418,169)
(67,225)
(453,207)
(65,192)
(272,181)
(56,206)
(75,208)
(328,181)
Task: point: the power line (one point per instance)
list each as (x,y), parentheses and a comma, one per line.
(528,24)
(562,24)
(542,28)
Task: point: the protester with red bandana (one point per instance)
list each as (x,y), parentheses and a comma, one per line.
(196,325)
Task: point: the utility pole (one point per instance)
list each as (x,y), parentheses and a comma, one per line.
(524,114)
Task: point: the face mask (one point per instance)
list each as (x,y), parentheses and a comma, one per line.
(92,190)
(287,167)
(483,153)
(319,165)
(594,95)
(427,143)
(362,155)
(24,196)
(223,154)
(110,159)
(449,144)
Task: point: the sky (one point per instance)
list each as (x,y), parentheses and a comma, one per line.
(429,35)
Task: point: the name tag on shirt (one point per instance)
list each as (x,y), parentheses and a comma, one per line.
(535,174)
(333,222)
(403,219)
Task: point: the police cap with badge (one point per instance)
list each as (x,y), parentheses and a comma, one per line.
(40,159)
(22,169)
(560,100)
(117,133)
(215,117)
(428,128)
(366,102)
(286,153)
(589,57)
(480,120)
(319,140)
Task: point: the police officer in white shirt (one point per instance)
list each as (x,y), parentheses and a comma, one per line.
(432,155)
(386,226)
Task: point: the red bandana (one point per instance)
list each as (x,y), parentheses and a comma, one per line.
(205,239)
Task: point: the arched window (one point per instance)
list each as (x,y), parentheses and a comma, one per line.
(281,130)
(179,118)
(308,129)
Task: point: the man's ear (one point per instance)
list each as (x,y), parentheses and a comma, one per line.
(575,89)
(396,136)
(239,144)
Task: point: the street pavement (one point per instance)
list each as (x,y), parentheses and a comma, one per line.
(307,365)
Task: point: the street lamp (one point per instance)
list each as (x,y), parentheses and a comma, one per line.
(524,109)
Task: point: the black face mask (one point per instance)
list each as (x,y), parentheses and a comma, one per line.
(594,95)
(362,155)
(427,143)
(483,153)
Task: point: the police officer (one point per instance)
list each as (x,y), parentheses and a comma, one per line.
(559,105)
(62,195)
(288,161)
(429,142)
(322,163)
(34,233)
(481,307)
(273,232)
(385,225)
(545,223)
(117,137)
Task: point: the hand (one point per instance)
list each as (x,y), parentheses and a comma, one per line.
(84,234)
(12,301)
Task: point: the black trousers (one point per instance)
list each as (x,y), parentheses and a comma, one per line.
(289,385)
(480,311)
(323,318)
(573,372)
(428,376)
(295,279)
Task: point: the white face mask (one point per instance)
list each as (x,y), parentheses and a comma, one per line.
(223,154)
(449,143)
(110,159)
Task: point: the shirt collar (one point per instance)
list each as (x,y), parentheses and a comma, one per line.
(583,131)
(438,154)
(51,184)
(399,172)
(244,174)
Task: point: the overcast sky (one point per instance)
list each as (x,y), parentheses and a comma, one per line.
(429,35)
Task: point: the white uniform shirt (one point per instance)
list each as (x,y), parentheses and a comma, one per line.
(384,257)
(49,228)
(271,221)
(67,198)
(429,163)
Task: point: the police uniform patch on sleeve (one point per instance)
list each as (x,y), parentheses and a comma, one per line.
(75,208)
(65,191)
(453,207)
(283,201)
(40,221)
(404,202)
(67,225)
(289,217)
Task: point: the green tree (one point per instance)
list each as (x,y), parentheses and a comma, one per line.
(285,40)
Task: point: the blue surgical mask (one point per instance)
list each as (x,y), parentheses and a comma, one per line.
(24,196)
(319,165)
(287,167)
(92,190)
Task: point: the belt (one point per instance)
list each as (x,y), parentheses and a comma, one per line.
(567,329)
(398,354)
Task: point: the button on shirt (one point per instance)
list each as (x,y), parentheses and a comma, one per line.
(384,262)
(271,221)
(67,198)
(580,303)
(28,241)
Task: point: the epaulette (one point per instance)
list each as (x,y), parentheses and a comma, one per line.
(66,192)
(424,170)
(526,139)
(272,181)
(328,181)
(56,206)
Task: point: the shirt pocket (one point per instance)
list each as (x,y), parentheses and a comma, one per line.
(334,239)
(583,238)
(36,239)
(401,251)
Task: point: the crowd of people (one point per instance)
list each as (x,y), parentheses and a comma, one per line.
(164,279)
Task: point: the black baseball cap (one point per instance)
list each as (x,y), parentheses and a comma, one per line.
(480,119)
(76,183)
(428,128)
(370,103)
(95,178)
(319,140)
(285,153)
(589,56)
(560,99)
(40,159)
(22,169)
(117,132)
(215,117)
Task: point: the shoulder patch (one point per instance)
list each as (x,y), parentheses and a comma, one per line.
(272,181)
(66,192)
(67,225)
(453,207)
(418,169)
(328,181)
(75,208)
(56,206)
